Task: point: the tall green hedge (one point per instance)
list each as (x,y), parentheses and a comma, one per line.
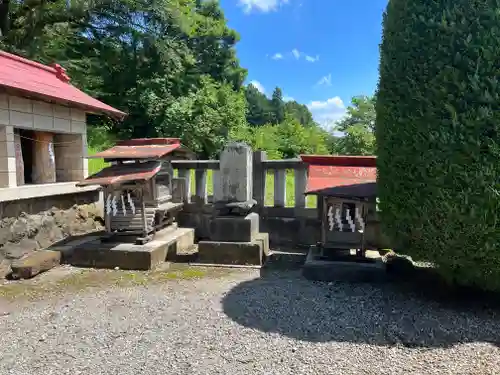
(438,123)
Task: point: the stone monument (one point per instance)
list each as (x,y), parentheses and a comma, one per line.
(234,227)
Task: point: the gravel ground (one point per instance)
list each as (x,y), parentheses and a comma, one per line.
(243,324)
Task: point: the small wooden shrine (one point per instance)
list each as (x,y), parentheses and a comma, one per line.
(138,186)
(344,214)
(346,191)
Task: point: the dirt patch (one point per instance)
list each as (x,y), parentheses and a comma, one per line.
(67,279)
(27,233)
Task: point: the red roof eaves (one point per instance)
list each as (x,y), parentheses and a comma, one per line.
(27,62)
(87,103)
(340,160)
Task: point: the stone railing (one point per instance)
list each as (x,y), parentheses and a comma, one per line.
(261,169)
(201,169)
(289,223)
(289,218)
(279,168)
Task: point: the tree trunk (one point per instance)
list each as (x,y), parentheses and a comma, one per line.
(4,17)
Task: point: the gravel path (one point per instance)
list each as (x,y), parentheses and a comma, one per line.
(243,324)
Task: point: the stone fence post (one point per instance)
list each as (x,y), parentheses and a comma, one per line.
(259,177)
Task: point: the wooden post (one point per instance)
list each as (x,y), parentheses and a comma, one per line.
(19,160)
(300,187)
(201,185)
(186,175)
(279,187)
(44,166)
(322,217)
(143,214)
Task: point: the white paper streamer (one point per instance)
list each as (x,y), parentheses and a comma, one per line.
(131,203)
(124,208)
(360,220)
(349,219)
(114,205)
(331,222)
(108,205)
(51,153)
(338,218)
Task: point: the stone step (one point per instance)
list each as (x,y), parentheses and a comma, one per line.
(286,259)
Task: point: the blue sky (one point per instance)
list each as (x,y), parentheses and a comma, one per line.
(320,52)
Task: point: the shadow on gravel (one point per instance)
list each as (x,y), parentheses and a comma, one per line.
(381,314)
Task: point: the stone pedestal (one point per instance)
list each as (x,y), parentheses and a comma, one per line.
(317,268)
(254,252)
(234,228)
(129,256)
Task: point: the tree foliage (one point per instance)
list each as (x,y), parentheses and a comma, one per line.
(358,127)
(170,64)
(262,110)
(438,124)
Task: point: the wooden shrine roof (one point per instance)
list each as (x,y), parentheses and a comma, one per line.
(122,173)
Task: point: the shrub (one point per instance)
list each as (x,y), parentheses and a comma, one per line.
(438,122)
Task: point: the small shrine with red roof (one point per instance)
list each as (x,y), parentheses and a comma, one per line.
(43,131)
(139,186)
(345,187)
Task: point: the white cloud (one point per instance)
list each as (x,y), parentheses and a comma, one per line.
(277,56)
(312,59)
(258,86)
(261,5)
(328,112)
(326,80)
(296,53)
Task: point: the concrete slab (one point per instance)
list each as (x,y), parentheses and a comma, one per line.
(286,259)
(373,270)
(235,253)
(128,256)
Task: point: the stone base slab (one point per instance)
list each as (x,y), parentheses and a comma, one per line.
(234,228)
(373,270)
(35,263)
(235,253)
(129,256)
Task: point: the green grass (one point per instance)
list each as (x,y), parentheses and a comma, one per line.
(95,165)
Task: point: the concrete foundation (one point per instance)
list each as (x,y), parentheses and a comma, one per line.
(235,253)
(370,270)
(128,256)
(235,228)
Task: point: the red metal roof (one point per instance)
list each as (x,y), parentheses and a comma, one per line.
(47,82)
(142,148)
(365,190)
(121,173)
(333,171)
(340,160)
